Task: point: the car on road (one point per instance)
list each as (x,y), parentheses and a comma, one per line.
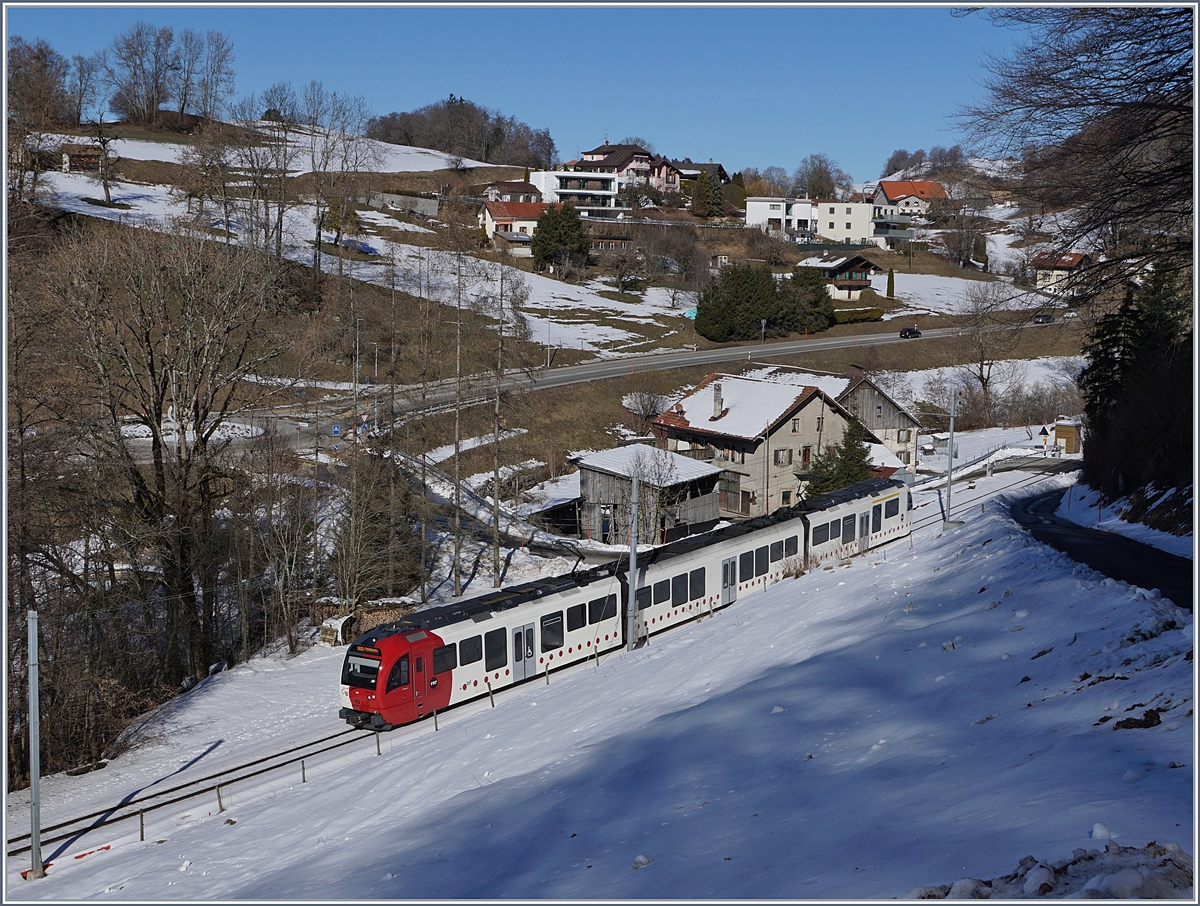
(1069,314)
(909,333)
(1043,319)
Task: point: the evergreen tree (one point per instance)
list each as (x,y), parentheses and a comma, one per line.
(840,466)
(891,289)
(702,196)
(716,201)
(559,238)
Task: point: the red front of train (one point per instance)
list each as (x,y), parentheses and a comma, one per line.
(388,679)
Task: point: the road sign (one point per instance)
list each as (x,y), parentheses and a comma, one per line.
(336,430)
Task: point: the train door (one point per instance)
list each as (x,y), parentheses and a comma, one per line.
(420,678)
(523,659)
(864,531)
(729,581)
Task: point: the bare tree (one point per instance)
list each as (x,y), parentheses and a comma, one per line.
(140,67)
(103,138)
(819,176)
(190,62)
(37,102)
(83,83)
(505,291)
(216,75)
(169,325)
(985,338)
(208,172)
(1108,135)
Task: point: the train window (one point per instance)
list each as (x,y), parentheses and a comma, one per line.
(445,658)
(470,650)
(760,561)
(877,517)
(552,631)
(791,546)
(910,501)
(643,598)
(746,565)
(820,534)
(835,530)
(892,508)
(679,590)
(495,649)
(848,529)
(696,583)
(576,617)
(662,591)
(420,665)
(776,551)
(602,609)
(360,671)
(399,674)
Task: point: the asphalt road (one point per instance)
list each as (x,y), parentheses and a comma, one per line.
(1113,555)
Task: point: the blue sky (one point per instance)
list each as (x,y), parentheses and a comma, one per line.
(744,86)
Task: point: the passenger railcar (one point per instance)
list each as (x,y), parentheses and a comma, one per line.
(443,656)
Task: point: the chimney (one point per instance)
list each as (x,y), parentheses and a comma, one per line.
(718,402)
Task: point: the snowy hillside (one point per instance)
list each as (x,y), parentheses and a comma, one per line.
(886,727)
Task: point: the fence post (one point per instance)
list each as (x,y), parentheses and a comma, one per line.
(220,804)
(377,751)
(303,778)
(142,826)
(491,697)
(435,726)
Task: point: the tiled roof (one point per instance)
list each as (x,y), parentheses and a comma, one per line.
(924,189)
(519,210)
(1055,261)
(524,188)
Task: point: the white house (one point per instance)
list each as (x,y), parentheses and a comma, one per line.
(510,216)
(788,216)
(592,192)
(851,222)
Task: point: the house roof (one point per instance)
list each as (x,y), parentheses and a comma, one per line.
(1055,261)
(660,468)
(894,190)
(692,170)
(832,263)
(749,407)
(518,210)
(520,238)
(522,188)
(614,156)
(836,385)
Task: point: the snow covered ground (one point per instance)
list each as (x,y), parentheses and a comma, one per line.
(877,729)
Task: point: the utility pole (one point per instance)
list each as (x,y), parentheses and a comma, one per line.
(950,467)
(35,754)
(631,614)
(357,321)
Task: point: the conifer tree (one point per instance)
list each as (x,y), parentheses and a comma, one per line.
(702,196)
(842,465)
(891,289)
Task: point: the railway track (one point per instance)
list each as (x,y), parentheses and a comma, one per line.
(1022,479)
(138,806)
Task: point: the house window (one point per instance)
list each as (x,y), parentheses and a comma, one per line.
(849,226)
(787,498)
(783,457)
(795,426)
(820,423)
(774,207)
(879,411)
(831,226)
(848,212)
(832,211)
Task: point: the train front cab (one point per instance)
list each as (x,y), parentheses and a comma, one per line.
(393,679)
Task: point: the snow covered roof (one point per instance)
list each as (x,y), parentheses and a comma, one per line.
(651,463)
(550,494)
(748,407)
(831,384)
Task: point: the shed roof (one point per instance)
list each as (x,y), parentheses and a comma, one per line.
(661,468)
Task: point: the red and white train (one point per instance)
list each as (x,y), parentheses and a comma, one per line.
(443,656)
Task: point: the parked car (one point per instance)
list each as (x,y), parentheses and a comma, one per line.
(909,333)
(1069,314)
(1043,319)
